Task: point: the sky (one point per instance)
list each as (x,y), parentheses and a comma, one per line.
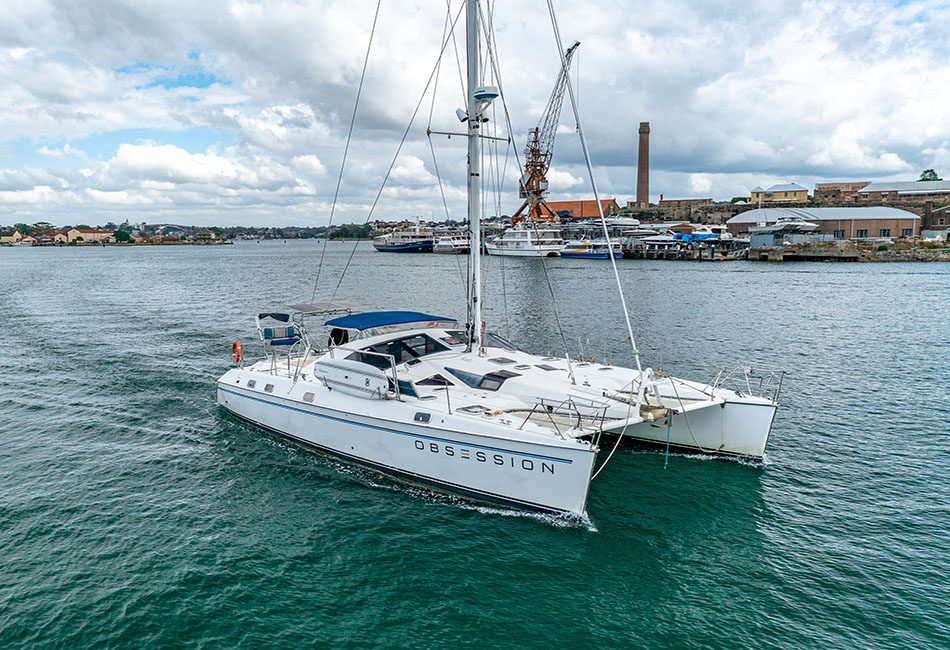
(227,112)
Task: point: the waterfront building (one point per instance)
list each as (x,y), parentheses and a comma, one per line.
(583,209)
(840,223)
(12,238)
(838,192)
(783,193)
(682,203)
(60,238)
(904,192)
(89,235)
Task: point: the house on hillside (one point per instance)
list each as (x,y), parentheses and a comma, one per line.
(783,193)
(11,238)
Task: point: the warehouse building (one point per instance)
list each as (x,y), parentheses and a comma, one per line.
(904,192)
(840,223)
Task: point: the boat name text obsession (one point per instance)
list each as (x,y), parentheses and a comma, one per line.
(525,464)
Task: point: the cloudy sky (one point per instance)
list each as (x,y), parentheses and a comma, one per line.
(236,112)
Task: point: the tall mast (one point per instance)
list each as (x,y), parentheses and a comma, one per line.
(474,180)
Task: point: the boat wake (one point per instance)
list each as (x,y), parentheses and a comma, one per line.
(377,480)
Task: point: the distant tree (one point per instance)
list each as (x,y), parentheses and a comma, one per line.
(110,226)
(122,236)
(82,226)
(23,228)
(43,226)
(929,175)
(736,199)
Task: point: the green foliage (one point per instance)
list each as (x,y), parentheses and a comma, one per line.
(350,231)
(23,228)
(929,175)
(122,236)
(736,199)
(882,247)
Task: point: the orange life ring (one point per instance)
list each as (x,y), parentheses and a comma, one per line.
(236,353)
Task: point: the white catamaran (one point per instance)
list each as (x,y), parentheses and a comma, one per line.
(452,405)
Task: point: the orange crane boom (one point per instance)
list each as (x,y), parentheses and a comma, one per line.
(540,149)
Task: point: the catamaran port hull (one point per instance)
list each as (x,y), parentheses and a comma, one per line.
(536,476)
(730,428)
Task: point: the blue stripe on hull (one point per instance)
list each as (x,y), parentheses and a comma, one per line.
(567,461)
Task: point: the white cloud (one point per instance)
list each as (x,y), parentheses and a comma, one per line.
(410,170)
(562,180)
(735,98)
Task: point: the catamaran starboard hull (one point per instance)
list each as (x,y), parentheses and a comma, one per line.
(739,428)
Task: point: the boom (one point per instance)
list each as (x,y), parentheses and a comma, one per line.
(540,149)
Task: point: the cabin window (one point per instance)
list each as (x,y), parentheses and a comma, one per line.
(434,380)
(401,350)
(406,388)
(544,366)
(251,383)
(885,232)
(502,360)
(308,397)
(269,388)
(862,233)
(491,381)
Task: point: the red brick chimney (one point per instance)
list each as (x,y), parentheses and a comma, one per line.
(643,167)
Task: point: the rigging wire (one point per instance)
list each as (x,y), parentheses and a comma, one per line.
(435,162)
(488,29)
(593,183)
(346,149)
(392,164)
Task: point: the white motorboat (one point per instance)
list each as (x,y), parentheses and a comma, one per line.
(528,239)
(417,240)
(419,396)
(788,225)
(453,244)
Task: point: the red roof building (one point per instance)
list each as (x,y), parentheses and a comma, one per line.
(583,209)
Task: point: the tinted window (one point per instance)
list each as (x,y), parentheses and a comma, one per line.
(401,350)
(491,381)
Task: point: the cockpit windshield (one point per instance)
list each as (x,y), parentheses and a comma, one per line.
(401,350)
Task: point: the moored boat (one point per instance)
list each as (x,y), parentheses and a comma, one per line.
(528,239)
(404,241)
(454,244)
(592,249)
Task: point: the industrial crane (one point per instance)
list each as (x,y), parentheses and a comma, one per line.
(539,151)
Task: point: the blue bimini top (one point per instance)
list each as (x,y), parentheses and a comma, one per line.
(373,319)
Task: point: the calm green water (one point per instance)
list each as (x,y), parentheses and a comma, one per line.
(134,513)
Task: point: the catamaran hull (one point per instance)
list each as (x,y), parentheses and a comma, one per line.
(541,477)
(729,429)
